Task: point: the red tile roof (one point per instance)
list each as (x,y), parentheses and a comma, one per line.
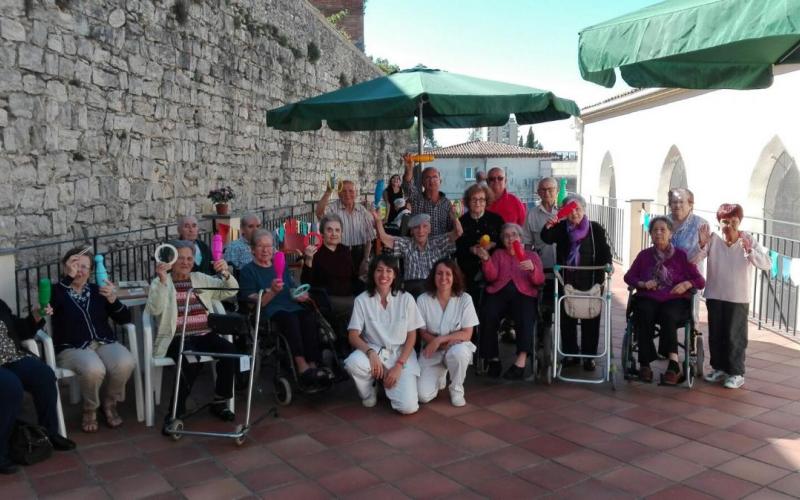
(484,149)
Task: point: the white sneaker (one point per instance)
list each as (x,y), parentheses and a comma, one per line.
(370,400)
(734,381)
(715,376)
(457,397)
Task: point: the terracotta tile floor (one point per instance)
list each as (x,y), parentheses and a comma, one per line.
(511,441)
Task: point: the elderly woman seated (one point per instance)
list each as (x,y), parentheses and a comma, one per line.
(298,326)
(167,300)
(421,250)
(449,316)
(511,289)
(20,372)
(330,267)
(85,342)
(383,331)
(663,277)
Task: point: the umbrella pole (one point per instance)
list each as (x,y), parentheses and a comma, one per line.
(420,144)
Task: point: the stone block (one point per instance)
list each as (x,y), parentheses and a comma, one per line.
(32,200)
(57,91)
(12,30)
(104,78)
(39,33)
(30,58)
(83,72)
(55,43)
(10,80)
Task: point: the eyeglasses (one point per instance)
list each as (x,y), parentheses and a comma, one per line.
(548,190)
(477,200)
(495,179)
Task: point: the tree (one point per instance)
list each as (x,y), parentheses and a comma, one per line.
(475,134)
(521,143)
(384,65)
(531,142)
(429,141)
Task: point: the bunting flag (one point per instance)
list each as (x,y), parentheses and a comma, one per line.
(787,266)
(773,256)
(794,272)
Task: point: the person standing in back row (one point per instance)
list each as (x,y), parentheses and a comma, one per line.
(505,204)
(431,201)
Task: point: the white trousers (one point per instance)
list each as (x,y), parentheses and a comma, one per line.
(433,371)
(403,395)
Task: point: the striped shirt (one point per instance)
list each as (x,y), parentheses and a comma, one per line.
(419,262)
(357,226)
(197,322)
(439,211)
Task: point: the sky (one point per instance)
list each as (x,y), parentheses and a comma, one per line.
(529,42)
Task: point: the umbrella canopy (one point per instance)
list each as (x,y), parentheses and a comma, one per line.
(696,44)
(445,100)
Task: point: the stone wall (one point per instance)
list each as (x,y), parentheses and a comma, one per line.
(122,114)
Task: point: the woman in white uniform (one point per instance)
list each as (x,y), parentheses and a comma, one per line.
(382,331)
(449,316)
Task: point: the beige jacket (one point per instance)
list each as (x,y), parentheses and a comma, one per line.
(161,302)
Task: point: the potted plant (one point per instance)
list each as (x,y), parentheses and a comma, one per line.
(221,197)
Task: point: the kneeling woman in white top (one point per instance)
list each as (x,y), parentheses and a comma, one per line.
(449,318)
(382,331)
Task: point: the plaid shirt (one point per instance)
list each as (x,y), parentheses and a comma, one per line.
(418,263)
(238,253)
(357,226)
(439,212)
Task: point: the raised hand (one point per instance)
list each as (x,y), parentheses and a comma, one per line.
(703,235)
(747,241)
(109,291)
(161,271)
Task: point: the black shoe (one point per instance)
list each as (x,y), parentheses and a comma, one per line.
(514,372)
(494,368)
(220,410)
(589,365)
(61,443)
(8,467)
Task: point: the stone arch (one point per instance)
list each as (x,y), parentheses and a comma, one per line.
(782,199)
(607,185)
(756,204)
(673,174)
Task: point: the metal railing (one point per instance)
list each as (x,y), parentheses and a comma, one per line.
(612,218)
(128,254)
(774,297)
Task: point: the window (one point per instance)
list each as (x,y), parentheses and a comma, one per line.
(469,173)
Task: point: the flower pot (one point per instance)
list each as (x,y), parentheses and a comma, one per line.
(222,208)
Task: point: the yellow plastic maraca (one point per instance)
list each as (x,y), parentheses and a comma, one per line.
(485,241)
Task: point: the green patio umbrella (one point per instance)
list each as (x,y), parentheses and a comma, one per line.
(437,98)
(696,44)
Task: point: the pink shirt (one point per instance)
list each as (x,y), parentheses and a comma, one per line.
(509,208)
(503,267)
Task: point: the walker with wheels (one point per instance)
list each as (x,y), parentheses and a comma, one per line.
(603,298)
(175,425)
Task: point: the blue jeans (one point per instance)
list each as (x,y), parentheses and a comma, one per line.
(32,375)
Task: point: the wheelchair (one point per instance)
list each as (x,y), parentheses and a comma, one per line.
(277,357)
(692,344)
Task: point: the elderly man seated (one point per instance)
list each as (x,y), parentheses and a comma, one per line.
(421,250)
(167,301)
(238,252)
(357,230)
(188,230)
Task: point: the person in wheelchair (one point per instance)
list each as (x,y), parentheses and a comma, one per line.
(663,277)
(167,300)
(450,317)
(383,331)
(511,288)
(331,268)
(295,322)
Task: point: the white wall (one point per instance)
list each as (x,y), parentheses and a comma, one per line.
(724,137)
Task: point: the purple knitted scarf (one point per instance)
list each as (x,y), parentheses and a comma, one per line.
(576,235)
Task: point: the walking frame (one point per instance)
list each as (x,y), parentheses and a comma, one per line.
(175,427)
(606,355)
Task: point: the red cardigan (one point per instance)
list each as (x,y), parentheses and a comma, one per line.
(503,267)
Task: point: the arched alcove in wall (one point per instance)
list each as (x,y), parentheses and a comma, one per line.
(673,174)
(782,199)
(607,185)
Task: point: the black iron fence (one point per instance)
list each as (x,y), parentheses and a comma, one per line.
(128,254)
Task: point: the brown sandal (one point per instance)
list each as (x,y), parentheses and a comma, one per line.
(89,421)
(113,420)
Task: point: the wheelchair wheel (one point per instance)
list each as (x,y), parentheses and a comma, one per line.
(626,356)
(699,358)
(283,391)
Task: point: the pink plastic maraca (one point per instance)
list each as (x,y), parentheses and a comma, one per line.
(279,263)
(216,247)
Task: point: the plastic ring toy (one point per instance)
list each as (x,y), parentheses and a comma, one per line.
(300,290)
(166,246)
(307,239)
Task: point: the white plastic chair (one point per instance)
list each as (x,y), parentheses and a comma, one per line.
(72,378)
(154,365)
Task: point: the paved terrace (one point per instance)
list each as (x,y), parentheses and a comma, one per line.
(510,441)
